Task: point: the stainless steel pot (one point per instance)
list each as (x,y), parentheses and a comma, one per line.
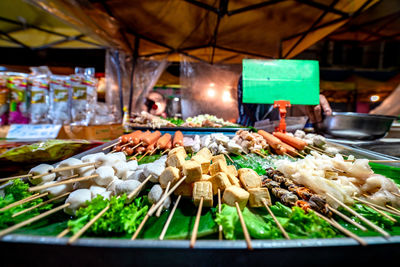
(355,126)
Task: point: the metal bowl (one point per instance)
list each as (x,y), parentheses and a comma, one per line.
(355,126)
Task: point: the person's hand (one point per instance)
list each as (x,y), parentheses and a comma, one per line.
(315,112)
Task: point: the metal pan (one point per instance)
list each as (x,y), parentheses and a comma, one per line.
(355,126)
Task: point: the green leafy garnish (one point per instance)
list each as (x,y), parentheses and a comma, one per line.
(16,191)
(120,219)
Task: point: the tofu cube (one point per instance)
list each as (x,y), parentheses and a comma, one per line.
(180,150)
(205,177)
(232,170)
(257,195)
(175,160)
(234,181)
(249,178)
(217,167)
(221,181)
(205,163)
(205,153)
(192,171)
(203,189)
(217,158)
(170,174)
(184,189)
(235,194)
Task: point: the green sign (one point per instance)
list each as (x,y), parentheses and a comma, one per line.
(265,81)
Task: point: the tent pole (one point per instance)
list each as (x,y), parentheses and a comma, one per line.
(121,95)
(135,57)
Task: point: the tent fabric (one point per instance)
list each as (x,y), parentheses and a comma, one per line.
(210,30)
(23,25)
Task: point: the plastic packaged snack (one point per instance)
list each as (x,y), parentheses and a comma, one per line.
(84,97)
(39,99)
(3,100)
(60,99)
(17,84)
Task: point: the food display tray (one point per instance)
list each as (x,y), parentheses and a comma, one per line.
(23,250)
(192,130)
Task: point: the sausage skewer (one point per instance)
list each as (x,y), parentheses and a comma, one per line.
(178,139)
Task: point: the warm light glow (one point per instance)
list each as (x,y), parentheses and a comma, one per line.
(176,99)
(211,92)
(374,98)
(226,96)
(212,84)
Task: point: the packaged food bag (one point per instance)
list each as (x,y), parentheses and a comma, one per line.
(60,99)
(39,99)
(17,84)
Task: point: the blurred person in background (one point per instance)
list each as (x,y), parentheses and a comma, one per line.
(250,113)
(155,104)
(390,106)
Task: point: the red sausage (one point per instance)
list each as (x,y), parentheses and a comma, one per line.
(272,141)
(293,141)
(163,141)
(151,138)
(178,139)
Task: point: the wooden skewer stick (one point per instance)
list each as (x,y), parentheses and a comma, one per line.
(196,224)
(284,233)
(382,213)
(139,188)
(64,169)
(158,213)
(298,154)
(63,233)
(134,156)
(15,177)
(31,220)
(141,143)
(392,208)
(154,150)
(219,211)
(258,153)
(165,151)
(244,227)
(246,158)
(70,181)
(114,144)
(347,219)
(342,229)
(362,218)
(378,160)
(166,225)
(147,152)
(88,225)
(377,206)
(23,201)
(397,195)
(161,201)
(40,204)
(286,154)
(227,155)
(146,217)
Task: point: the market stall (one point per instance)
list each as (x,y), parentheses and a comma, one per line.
(195,188)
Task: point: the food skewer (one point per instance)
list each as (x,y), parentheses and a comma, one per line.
(31,220)
(88,225)
(139,188)
(220,234)
(161,201)
(40,204)
(70,181)
(227,155)
(284,233)
(362,218)
(60,169)
(347,219)
(244,227)
(23,201)
(377,206)
(166,225)
(113,144)
(196,224)
(383,214)
(142,223)
(15,177)
(342,229)
(392,208)
(158,213)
